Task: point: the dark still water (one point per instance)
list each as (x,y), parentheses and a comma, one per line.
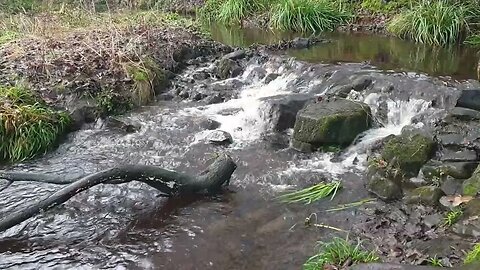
(387,53)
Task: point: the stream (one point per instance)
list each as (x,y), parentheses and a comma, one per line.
(129,226)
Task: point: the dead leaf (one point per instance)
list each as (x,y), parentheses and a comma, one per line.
(455,200)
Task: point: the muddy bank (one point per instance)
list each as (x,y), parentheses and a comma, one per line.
(102,72)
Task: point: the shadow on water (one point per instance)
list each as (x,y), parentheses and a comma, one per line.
(387,53)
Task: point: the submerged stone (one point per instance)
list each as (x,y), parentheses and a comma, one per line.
(332,122)
(409,152)
(219,137)
(428,195)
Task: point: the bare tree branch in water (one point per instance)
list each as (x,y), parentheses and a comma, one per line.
(168,182)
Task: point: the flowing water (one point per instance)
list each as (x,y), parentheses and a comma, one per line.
(129,226)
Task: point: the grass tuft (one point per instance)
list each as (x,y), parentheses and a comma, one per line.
(473,255)
(337,253)
(452,217)
(27,126)
(313,193)
(432,22)
(307,15)
(434,261)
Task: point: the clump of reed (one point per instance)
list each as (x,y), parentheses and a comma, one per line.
(28,127)
(337,253)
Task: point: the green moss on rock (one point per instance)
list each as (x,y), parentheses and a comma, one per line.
(471,186)
(428,195)
(336,122)
(28,127)
(409,152)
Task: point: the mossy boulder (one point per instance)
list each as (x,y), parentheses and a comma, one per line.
(409,152)
(227,68)
(459,170)
(471,186)
(382,184)
(334,122)
(429,195)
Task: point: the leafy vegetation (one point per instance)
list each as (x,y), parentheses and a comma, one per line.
(313,193)
(337,252)
(452,217)
(27,126)
(473,255)
(433,22)
(296,15)
(434,261)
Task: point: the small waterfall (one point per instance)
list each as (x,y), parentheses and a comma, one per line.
(400,114)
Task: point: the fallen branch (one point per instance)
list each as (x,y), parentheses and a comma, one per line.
(169,182)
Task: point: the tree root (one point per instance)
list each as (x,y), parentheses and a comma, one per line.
(168,182)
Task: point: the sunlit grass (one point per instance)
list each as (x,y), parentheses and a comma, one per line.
(313,193)
(27,126)
(432,22)
(307,15)
(434,261)
(337,252)
(452,217)
(473,255)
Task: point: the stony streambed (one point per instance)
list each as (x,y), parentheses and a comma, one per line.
(246,104)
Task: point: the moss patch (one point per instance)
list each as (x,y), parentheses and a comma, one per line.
(409,152)
(28,127)
(471,186)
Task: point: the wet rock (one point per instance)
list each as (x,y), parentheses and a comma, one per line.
(469,99)
(219,137)
(453,139)
(201,75)
(277,141)
(270,77)
(209,124)
(257,73)
(335,122)
(458,156)
(302,146)
(184,94)
(451,186)
(464,114)
(214,99)
(197,96)
(281,111)
(300,43)
(388,266)
(409,152)
(121,124)
(227,68)
(469,223)
(358,84)
(385,188)
(235,55)
(81,115)
(459,170)
(165,97)
(433,220)
(428,195)
(471,186)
